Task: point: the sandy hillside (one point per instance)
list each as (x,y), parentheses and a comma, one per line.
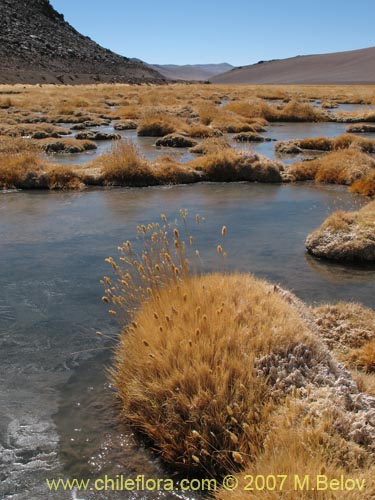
(352,67)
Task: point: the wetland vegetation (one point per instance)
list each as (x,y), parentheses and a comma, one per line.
(221,370)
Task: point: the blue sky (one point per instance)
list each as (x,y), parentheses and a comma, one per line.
(236,31)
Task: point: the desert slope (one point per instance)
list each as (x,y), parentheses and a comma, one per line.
(351,67)
(38,46)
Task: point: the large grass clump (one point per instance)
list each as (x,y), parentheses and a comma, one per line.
(229,165)
(293,111)
(185,367)
(124,166)
(226,372)
(340,167)
(365,185)
(159,123)
(21,170)
(346,236)
(344,141)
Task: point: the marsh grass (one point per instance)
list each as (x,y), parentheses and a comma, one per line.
(188,371)
(65,145)
(305,440)
(346,236)
(168,171)
(210,145)
(11,145)
(185,364)
(341,142)
(201,111)
(61,178)
(341,167)
(34,131)
(200,131)
(124,166)
(159,123)
(21,170)
(293,111)
(228,165)
(365,185)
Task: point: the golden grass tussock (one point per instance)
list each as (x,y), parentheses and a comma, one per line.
(364,381)
(6,103)
(63,177)
(200,131)
(27,170)
(186,388)
(364,357)
(11,145)
(129,112)
(360,128)
(159,123)
(340,167)
(210,145)
(345,236)
(123,165)
(365,185)
(168,171)
(66,145)
(228,165)
(34,131)
(293,111)
(228,121)
(21,170)
(306,441)
(343,141)
(226,373)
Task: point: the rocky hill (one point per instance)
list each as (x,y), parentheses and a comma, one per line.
(38,46)
(340,68)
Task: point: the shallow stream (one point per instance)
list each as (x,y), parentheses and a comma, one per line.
(57,413)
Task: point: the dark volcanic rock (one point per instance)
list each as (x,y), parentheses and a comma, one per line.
(38,46)
(175,141)
(98,136)
(250,137)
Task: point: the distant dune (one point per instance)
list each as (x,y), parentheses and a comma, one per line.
(352,67)
(191,71)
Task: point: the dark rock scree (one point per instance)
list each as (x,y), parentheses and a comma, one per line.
(38,46)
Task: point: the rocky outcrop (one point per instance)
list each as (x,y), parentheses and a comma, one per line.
(175,141)
(97,136)
(38,46)
(250,137)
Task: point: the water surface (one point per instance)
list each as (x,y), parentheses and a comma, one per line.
(57,413)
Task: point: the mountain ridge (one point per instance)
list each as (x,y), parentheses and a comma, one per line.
(37,45)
